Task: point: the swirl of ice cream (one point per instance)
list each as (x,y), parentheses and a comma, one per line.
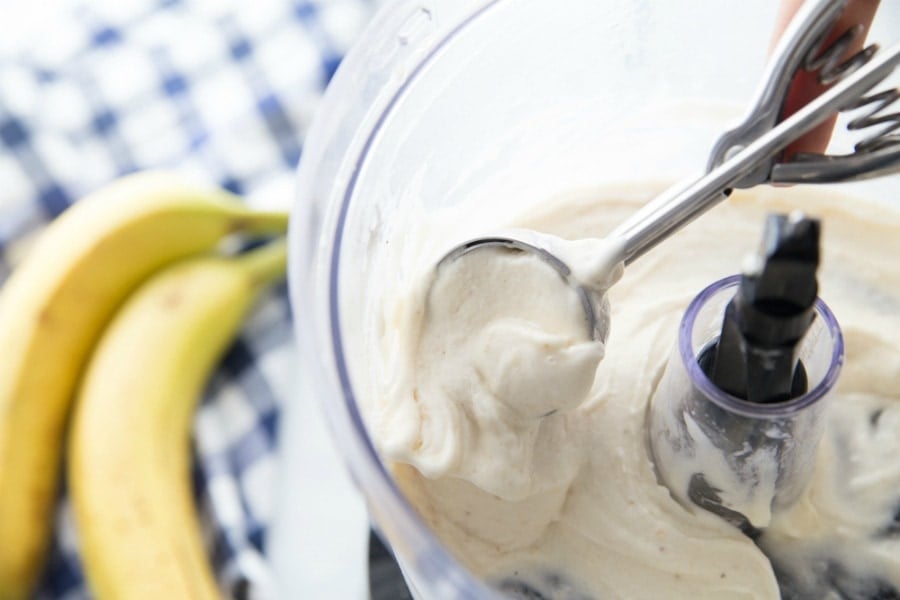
(527,455)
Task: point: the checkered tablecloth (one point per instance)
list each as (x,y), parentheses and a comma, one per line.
(223,90)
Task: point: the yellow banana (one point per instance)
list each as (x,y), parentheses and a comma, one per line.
(129,452)
(52,310)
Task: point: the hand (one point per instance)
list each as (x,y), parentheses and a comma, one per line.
(805,86)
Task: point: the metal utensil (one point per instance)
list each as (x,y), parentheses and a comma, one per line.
(748,155)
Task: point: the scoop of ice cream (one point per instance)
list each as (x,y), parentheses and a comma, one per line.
(504,356)
(532,371)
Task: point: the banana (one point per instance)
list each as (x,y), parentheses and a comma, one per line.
(129,452)
(52,310)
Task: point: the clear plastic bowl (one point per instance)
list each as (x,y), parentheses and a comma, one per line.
(448,99)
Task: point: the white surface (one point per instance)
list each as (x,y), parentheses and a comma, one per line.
(319,538)
(18,21)
(319,542)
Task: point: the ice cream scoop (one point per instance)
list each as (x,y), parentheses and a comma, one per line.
(744,157)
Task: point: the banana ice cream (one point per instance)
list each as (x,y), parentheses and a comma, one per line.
(523,443)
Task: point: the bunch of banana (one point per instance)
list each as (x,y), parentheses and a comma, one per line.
(130,447)
(129,453)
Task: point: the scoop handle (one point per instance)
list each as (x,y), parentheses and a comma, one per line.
(678,206)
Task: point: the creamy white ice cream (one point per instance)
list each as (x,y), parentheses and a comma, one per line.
(527,453)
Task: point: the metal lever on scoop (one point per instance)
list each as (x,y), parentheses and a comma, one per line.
(806,30)
(748,155)
(676,208)
(803,47)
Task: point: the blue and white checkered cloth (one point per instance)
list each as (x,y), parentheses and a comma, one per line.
(222,90)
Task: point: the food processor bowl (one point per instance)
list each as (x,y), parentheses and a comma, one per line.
(445,101)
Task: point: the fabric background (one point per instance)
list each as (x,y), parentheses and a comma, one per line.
(223,91)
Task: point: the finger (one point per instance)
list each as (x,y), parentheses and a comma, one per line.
(806,86)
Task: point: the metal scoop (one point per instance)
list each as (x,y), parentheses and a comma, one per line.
(748,155)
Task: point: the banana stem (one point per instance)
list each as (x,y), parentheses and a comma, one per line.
(260,223)
(267,264)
